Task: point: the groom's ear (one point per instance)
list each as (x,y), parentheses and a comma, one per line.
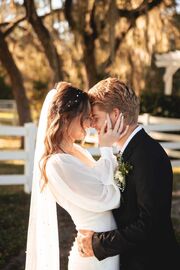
(116,113)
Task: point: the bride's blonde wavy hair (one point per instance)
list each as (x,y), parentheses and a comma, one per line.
(68,103)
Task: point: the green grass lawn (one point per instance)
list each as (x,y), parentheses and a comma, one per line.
(14,214)
(14,208)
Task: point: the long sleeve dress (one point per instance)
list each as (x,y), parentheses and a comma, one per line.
(88,194)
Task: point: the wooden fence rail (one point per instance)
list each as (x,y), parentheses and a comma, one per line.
(27,154)
(161,129)
(166,131)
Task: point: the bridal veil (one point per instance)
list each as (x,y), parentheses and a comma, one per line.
(42,242)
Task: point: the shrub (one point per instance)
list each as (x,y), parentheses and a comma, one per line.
(158,104)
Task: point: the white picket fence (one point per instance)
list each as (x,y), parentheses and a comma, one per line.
(27,154)
(162,129)
(159,128)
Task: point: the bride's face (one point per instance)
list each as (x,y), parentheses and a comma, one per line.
(76,130)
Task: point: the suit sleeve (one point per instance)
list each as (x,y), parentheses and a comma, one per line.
(153,186)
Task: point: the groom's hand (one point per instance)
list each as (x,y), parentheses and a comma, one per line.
(109,135)
(84,240)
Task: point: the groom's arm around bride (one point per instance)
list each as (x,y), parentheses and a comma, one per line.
(145,238)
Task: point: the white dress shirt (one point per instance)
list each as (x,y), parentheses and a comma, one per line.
(137,129)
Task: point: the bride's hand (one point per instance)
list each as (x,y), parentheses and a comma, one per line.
(108,135)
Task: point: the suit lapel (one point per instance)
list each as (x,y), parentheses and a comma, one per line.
(138,137)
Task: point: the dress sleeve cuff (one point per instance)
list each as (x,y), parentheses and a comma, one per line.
(106,152)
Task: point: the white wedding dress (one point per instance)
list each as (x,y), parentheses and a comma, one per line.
(88,194)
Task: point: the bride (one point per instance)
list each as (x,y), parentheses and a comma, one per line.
(66,173)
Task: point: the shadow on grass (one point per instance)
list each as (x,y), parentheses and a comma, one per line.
(14,212)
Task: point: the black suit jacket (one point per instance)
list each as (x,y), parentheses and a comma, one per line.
(145,238)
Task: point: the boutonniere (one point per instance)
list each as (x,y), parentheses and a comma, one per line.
(121,172)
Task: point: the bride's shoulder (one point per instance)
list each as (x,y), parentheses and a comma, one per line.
(52,160)
(55,159)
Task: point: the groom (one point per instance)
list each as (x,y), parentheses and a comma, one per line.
(145,238)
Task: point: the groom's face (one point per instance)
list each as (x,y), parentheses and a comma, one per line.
(99,117)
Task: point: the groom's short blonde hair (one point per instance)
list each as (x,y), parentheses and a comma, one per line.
(112,93)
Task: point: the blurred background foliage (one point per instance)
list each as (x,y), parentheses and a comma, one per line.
(45,41)
(157,104)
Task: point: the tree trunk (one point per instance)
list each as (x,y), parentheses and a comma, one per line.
(89,60)
(88,38)
(46,40)
(19,92)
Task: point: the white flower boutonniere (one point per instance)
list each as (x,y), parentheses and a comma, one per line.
(122,170)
